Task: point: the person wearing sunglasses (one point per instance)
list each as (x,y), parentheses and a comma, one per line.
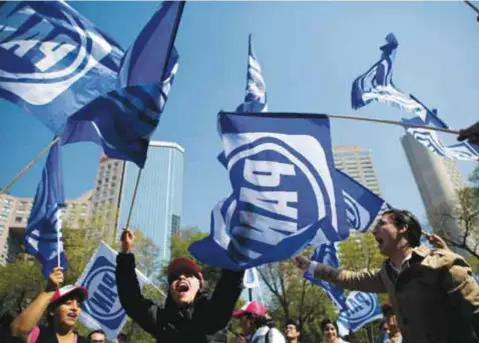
(190,314)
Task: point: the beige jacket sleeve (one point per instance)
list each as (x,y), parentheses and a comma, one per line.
(462,289)
(364,281)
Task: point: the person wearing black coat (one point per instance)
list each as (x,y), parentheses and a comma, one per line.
(189,315)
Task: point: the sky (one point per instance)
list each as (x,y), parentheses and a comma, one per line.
(310,53)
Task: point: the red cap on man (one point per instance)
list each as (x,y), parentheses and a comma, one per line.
(181,265)
(252,307)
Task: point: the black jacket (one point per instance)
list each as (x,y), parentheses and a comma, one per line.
(200,322)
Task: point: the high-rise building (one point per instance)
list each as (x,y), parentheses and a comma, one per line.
(438,180)
(14,214)
(358,164)
(159,199)
(106,197)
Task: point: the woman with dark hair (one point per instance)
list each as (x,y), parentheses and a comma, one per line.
(257,325)
(189,315)
(330,332)
(62,306)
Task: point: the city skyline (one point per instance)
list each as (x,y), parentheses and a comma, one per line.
(326,57)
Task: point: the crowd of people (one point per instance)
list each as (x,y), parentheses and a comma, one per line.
(432,293)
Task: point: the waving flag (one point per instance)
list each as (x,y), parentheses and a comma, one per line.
(326,253)
(362,205)
(432,142)
(255,98)
(79,83)
(43,236)
(362,308)
(282,176)
(123,120)
(377,84)
(102,309)
(53,61)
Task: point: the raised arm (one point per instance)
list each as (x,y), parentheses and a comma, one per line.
(29,318)
(143,311)
(217,312)
(364,281)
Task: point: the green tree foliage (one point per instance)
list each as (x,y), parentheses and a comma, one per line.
(465,214)
(360,252)
(179,248)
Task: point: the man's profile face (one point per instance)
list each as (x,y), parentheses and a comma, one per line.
(386,235)
(291,332)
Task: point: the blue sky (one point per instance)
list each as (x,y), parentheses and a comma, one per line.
(310,53)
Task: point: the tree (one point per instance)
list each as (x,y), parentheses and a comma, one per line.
(457,222)
(295,297)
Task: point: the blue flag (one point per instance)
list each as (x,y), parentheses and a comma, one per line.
(326,253)
(362,308)
(79,83)
(122,121)
(377,84)
(53,61)
(432,142)
(255,98)
(362,205)
(283,190)
(43,232)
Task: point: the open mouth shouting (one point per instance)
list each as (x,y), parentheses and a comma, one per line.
(182,287)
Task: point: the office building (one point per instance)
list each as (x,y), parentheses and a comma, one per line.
(358,164)
(438,180)
(159,199)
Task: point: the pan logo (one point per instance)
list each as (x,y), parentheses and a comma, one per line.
(48,54)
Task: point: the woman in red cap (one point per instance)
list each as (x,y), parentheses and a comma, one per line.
(62,305)
(256,325)
(189,314)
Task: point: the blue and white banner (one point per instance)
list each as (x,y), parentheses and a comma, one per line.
(255,98)
(123,120)
(431,141)
(377,84)
(362,308)
(102,309)
(53,61)
(362,205)
(283,191)
(326,253)
(79,83)
(43,236)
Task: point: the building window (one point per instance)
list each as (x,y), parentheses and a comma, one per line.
(18,219)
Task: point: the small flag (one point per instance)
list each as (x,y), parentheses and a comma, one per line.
(102,309)
(255,97)
(282,175)
(431,141)
(43,237)
(362,308)
(362,205)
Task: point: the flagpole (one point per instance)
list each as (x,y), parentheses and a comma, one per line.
(341,116)
(29,166)
(473,7)
(133,200)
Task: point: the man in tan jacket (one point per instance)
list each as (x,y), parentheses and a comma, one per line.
(432,292)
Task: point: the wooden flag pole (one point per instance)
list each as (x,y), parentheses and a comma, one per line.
(340,116)
(29,166)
